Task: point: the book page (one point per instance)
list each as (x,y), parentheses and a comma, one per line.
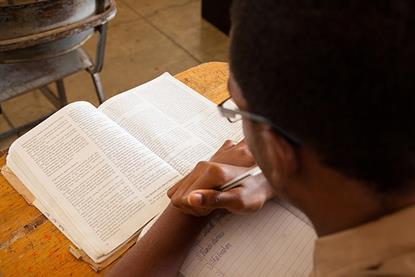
(97,181)
(270,242)
(175,122)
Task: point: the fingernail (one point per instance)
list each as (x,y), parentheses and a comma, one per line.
(195,199)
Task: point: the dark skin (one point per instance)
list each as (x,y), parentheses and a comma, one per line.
(332,201)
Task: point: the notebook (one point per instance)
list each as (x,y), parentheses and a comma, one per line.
(277,240)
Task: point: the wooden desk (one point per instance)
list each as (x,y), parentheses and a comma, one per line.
(30,245)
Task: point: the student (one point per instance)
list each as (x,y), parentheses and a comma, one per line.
(332,85)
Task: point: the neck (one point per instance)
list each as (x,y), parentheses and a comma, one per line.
(335,203)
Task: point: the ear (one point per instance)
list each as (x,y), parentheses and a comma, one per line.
(280,155)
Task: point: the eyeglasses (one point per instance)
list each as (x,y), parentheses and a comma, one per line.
(229,110)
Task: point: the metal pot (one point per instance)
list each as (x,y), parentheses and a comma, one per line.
(34,28)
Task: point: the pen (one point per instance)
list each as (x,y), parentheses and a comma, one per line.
(254,171)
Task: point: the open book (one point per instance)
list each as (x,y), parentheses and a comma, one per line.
(101,174)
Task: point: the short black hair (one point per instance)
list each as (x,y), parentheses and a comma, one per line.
(340,75)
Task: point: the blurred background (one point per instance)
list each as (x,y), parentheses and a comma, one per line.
(145,38)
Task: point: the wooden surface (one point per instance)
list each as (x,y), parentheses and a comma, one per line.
(30,245)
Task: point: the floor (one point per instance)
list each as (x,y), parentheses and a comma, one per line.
(146,38)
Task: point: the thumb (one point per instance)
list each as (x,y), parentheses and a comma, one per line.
(213,199)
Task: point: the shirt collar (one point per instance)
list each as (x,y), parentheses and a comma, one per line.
(366,244)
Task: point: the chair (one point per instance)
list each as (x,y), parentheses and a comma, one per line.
(35,60)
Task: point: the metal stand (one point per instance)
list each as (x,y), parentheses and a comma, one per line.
(19,78)
(99,62)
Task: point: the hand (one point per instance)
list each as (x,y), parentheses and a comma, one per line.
(196,193)
(234,154)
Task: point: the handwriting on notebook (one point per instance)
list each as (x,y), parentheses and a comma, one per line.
(272,242)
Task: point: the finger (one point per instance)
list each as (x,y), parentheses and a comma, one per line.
(241,142)
(208,175)
(228,144)
(216,175)
(242,146)
(189,178)
(191,210)
(245,157)
(195,199)
(174,188)
(214,199)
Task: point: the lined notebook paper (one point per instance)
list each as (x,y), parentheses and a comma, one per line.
(276,241)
